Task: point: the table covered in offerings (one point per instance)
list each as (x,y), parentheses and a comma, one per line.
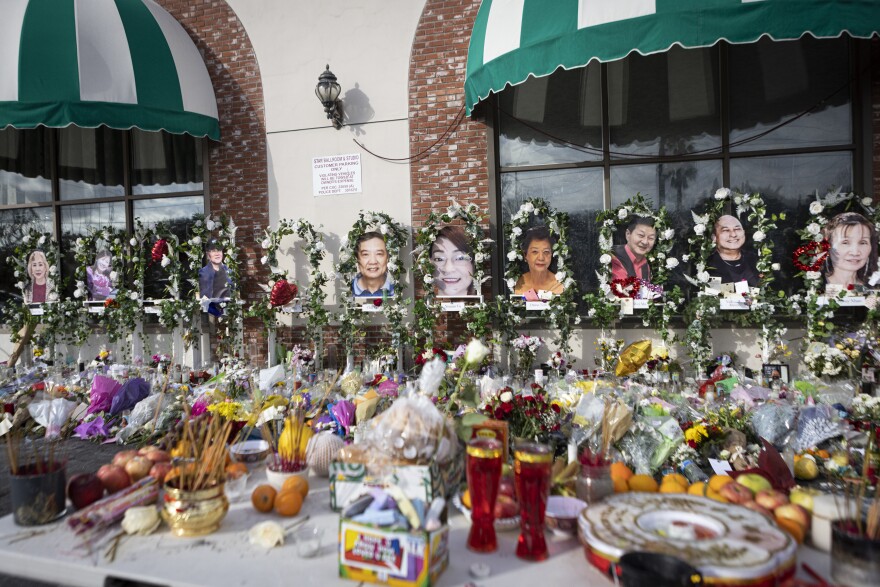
(225,557)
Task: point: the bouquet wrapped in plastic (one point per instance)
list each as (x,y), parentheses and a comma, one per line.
(774,421)
(104,389)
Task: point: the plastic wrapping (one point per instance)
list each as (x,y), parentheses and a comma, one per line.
(101,396)
(132,391)
(774,421)
(144,412)
(412,431)
(432,376)
(815,425)
(638,447)
(51,413)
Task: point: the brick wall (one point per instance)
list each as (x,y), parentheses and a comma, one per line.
(458,167)
(238,165)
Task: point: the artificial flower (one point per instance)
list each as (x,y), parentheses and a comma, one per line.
(141,520)
(816,208)
(722,193)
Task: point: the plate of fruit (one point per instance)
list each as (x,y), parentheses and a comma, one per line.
(506,505)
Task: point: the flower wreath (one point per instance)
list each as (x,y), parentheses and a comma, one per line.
(281,291)
(202,230)
(427,308)
(602,307)
(704,311)
(810,256)
(562,313)
(121,313)
(394,306)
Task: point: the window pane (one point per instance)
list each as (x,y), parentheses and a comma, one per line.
(178,213)
(664,104)
(788,184)
(90,163)
(539,118)
(163,163)
(577,192)
(773,81)
(24,167)
(77,220)
(14,224)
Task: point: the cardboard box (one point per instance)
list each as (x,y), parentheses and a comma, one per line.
(396,558)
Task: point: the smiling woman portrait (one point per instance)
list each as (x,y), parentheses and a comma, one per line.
(98,277)
(453,263)
(39,288)
(538,253)
(731,261)
(629,260)
(853,256)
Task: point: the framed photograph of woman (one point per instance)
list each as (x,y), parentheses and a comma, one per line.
(100,276)
(733,260)
(851,263)
(539,278)
(453,259)
(39,287)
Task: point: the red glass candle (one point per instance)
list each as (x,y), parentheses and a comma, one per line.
(532,466)
(483,476)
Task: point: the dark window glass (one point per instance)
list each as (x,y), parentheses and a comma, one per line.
(771,82)
(25,176)
(14,224)
(163,163)
(90,163)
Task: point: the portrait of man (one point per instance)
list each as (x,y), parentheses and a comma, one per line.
(453,263)
(214,279)
(537,250)
(630,259)
(731,261)
(372,279)
(39,288)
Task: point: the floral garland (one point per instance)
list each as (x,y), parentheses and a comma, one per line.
(394,305)
(704,311)
(313,310)
(602,307)
(122,313)
(810,256)
(562,311)
(427,309)
(202,230)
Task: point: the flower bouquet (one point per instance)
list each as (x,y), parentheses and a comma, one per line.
(526,348)
(529,415)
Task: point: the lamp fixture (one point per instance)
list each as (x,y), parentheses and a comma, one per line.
(327,92)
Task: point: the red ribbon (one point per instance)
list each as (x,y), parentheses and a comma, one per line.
(627,287)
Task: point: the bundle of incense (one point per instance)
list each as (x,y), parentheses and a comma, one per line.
(91,522)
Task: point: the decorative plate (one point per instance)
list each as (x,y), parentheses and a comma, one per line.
(501,524)
(726,542)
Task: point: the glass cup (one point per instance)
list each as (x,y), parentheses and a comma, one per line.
(308,540)
(483,476)
(532,467)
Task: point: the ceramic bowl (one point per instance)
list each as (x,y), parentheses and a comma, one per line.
(250,452)
(562,514)
(277,478)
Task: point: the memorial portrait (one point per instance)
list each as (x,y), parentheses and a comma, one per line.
(540,274)
(373,278)
(852,259)
(100,276)
(630,259)
(732,260)
(39,287)
(452,256)
(215,281)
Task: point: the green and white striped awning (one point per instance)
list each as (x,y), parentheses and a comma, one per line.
(120,63)
(515,39)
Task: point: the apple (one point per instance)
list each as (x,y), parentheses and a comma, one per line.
(756,507)
(795,513)
(736,493)
(754,481)
(771,499)
(84,489)
(507,487)
(138,467)
(160,470)
(114,478)
(505,507)
(803,496)
(122,457)
(158,456)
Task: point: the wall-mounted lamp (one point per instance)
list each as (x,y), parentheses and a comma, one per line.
(328,91)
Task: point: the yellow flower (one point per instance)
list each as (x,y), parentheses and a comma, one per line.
(586,386)
(696,433)
(229,410)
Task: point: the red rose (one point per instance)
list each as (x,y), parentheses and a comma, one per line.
(377,302)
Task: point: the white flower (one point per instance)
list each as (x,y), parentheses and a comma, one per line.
(383,229)
(53,269)
(517,230)
(606,289)
(737,200)
(813,228)
(141,520)
(605,259)
(429,279)
(671,263)
(79,242)
(759,236)
(133,242)
(113,276)
(53,297)
(622,214)
(264,259)
(511,283)
(392,267)
(722,193)
(668,233)
(319,246)
(686,258)
(591,312)
(475,352)
(703,276)
(775,267)
(866,202)
(210,224)
(196,240)
(17,274)
(133,295)
(506,397)
(165,261)
(41,240)
(266,534)
(700,228)
(816,208)
(560,276)
(814,275)
(77,293)
(265,244)
(27,239)
(527,207)
(511,256)
(20,285)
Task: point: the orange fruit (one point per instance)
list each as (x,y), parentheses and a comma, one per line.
(698,488)
(796,530)
(716,482)
(620,471)
(263,498)
(672,487)
(298,483)
(620,485)
(712,494)
(236,470)
(675,478)
(288,502)
(644,483)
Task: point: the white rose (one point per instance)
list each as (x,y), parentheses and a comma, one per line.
(210,224)
(622,214)
(685,258)
(79,241)
(429,279)
(737,200)
(319,246)
(392,267)
(668,233)
(775,266)
(113,276)
(671,263)
(511,256)
(133,295)
(77,293)
(264,259)
(866,202)
(133,242)
(41,240)
(196,240)
(527,207)
(53,269)
(198,223)
(383,229)
(475,352)
(511,283)
(266,534)
(517,230)
(265,244)
(17,274)
(813,275)
(606,289)
(700,228)
(813,228)
(506,396)
(722,193)
(816,208)
(53,297)
(759,236)
(605,259)
(560,276)
(165,261)
(141,520)
(20,285)
(703,276)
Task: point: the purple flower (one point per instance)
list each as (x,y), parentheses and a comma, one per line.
(200,406)
(93,429)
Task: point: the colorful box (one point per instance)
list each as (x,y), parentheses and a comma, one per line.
(396,558)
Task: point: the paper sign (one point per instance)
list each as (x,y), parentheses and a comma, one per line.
(626,305)
(452,306)
(727,288)
(36,311)
(370,308)
(537,306)
(741,287)
(96,309)
(844,301)
(336,174)
(640,304)
(152,310)
(733,304)
(720,467)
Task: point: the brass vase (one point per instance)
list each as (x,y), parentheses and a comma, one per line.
(194,513)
